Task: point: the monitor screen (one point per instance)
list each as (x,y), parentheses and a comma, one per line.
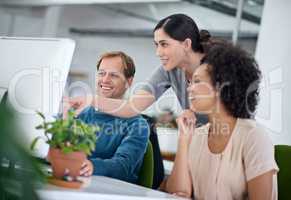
(34,72)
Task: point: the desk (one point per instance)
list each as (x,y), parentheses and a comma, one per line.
(100,187)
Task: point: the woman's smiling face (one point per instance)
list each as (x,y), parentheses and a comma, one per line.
(201,92)
(170,51)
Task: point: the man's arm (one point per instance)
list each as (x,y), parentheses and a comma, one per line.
(128,155)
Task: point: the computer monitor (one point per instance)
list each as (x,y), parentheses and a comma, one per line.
(34,72)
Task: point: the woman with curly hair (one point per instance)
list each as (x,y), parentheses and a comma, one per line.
(232,156)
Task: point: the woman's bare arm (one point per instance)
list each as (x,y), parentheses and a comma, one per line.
(261,187)
(117,107)
(180,180)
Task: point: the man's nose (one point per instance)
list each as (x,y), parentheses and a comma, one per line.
(106,77)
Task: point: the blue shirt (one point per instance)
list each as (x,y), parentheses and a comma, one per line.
(120,146)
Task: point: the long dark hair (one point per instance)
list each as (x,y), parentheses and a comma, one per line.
(180,27)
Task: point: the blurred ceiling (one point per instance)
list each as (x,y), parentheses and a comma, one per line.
(71,2)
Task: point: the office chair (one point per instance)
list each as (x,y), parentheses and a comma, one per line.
(283,159)
(159,173)
(146,173)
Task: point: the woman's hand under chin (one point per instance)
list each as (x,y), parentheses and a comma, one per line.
(186,125)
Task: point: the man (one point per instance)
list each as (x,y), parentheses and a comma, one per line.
(121,142)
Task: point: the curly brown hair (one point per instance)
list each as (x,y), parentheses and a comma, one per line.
(237,76)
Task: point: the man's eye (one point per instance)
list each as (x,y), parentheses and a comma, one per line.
(196,81)
(114,75)
(101,73)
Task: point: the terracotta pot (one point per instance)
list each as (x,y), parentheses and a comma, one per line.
(62,162)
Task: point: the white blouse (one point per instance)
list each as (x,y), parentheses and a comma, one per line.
(248,154)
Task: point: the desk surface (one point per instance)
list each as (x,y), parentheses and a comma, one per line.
(99,187)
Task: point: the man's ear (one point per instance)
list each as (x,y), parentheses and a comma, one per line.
(129,82)
(188,44)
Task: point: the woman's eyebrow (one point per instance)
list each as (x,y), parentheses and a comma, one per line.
(162,41)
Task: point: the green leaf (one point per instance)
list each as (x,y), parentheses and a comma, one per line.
(33,143)
(39,127)
(41,115)
(91,145)
(67,150)
(80,136)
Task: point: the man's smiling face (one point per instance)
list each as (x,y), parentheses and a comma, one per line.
(111,81)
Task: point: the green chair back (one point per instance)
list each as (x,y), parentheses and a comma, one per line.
(146,173)
(283,159)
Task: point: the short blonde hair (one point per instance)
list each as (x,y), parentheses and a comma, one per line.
(128,64)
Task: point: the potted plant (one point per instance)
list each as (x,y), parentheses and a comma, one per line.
(70,141)
(19,172)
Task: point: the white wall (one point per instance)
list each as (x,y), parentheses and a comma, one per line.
(273,55)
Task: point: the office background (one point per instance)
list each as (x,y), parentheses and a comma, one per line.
(263,30)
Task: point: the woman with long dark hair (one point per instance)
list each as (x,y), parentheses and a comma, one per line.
(180,46)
